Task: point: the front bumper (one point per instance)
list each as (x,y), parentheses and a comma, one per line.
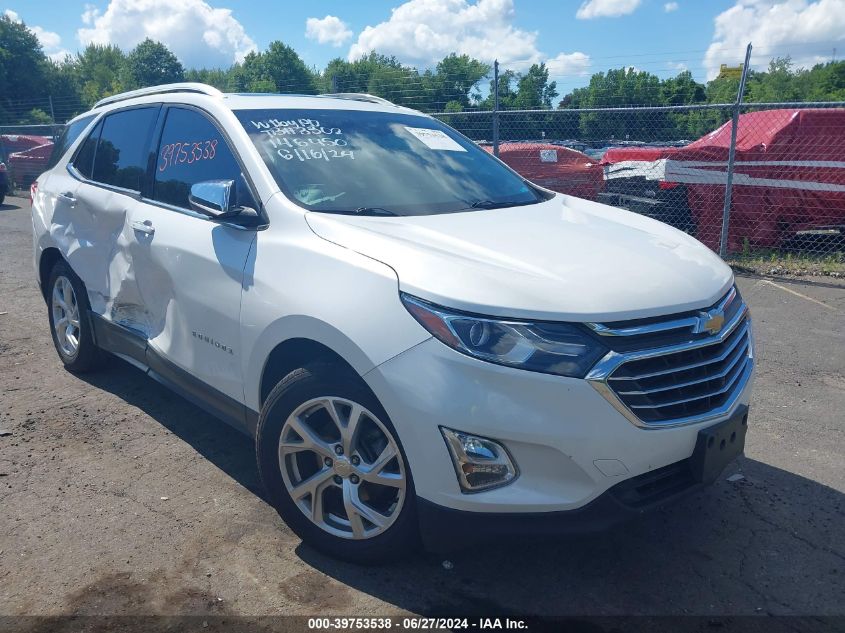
(446,529)
(569,443)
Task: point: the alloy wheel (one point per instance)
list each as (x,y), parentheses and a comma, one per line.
(65,316)
(342,467)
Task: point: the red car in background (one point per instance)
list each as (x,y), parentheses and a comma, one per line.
(554,167)
(26,155)
(10,143)
(29,164)
(788,183)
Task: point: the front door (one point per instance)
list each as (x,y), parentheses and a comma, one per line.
(190,269)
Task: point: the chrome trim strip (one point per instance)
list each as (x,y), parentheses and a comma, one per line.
(720,412)
(600,374)
(662,326)
(612,360)
(673,403)
(682,385)
(651,328)
(664,372)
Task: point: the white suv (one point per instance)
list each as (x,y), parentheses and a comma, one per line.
(422,343)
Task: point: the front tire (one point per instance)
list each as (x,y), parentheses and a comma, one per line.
(67,307)
(334,468)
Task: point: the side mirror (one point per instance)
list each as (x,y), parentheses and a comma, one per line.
(213,198)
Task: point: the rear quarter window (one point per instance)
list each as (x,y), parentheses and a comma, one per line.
(67,138)
(83,162)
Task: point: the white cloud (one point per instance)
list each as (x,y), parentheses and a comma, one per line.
(328,30)
(48,39)
(50,42)
(568,64)
(670,6)
(805,30)
(590,9)
(198,34)
(422,32)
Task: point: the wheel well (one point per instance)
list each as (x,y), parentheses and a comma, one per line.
(48,259)
(293,354)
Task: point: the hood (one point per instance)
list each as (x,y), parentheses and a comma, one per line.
(565,259)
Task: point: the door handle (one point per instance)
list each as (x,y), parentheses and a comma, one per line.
(145,227)
(67,196)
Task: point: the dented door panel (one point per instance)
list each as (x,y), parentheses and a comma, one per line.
(189,272)
(89,226)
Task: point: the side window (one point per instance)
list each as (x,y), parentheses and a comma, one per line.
(193,150)
(121,158)
(68,137)
(84,161)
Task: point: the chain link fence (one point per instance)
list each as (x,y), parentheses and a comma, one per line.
(775,189)
(674,164)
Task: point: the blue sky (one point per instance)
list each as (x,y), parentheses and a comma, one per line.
(575,37)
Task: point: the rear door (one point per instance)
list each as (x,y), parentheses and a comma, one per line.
(189,268)
(94,200)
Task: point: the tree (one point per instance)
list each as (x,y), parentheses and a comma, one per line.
(62,82)
(682,90)
(400,85)
(98,70)
(217,77)
(343,76)
(534,91)
(507,94)
(151,64)
(781,83)
(36,116)
(278,69)
(455,80)
(23,69)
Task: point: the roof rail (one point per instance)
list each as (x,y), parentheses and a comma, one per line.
(158,90)
(358,96)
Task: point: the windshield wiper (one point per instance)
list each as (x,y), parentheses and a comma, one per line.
(373,211)
(490,204)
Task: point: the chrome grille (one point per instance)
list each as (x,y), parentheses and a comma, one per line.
(696,377)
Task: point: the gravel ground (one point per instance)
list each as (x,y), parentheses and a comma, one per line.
(117,497)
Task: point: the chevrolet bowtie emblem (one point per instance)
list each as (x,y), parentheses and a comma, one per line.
(711,322)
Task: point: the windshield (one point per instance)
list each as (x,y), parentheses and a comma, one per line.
(380,163)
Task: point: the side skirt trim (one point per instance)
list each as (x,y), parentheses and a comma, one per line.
(131,346)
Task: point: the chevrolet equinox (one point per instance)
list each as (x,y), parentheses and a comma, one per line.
(424,345)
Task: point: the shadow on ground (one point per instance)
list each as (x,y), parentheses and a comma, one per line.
(762,544)
(228,449)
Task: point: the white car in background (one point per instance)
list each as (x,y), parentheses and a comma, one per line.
(421,342)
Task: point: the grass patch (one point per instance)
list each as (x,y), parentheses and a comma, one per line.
(779,262)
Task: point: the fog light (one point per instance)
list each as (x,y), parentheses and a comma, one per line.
(480,463)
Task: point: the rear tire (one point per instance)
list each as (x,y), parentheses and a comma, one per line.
(333,467)
(70,325)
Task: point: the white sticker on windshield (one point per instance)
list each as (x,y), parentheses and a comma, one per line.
(435,139)
(548,155)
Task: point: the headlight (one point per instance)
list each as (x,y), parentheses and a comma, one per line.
(551,348)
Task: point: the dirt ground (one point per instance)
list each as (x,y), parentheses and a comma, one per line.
(118,497)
